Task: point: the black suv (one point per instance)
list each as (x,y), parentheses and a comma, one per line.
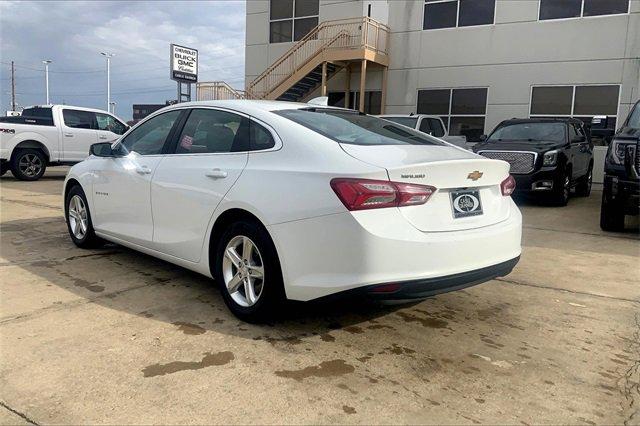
(547,155)
(621,192)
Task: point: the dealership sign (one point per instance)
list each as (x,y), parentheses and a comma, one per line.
(184,64)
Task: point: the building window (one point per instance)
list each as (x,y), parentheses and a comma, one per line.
(457,13)
(581,102)
(462,110)
(291,20)
(562,9)
(372,101)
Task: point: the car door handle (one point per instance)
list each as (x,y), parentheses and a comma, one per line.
(69,135)
(216,174)
(143,170)
(102,136)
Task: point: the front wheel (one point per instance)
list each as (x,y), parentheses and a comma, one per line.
(611,215)
(248,272)
(560,196)
(79,219)
(28,164)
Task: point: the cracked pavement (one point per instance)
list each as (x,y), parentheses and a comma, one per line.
(112,336)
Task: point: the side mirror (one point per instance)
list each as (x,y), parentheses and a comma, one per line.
(102,149)
(482,138)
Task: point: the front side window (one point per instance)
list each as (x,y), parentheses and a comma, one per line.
(463,111)
(149,137)
(79,119)
(562,9)
(110,124)
(529,132)
(213,131)
(436,127)
(356,129)
(457,13)
(291,20)
(581,102)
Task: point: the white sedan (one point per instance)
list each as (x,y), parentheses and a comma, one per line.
(279,201)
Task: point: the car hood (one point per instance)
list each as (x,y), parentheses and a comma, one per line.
(537,146)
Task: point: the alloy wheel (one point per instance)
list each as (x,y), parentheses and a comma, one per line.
(30,165)
(243,271)
(78,217)
(566,187)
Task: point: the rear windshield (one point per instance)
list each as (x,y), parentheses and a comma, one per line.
(353,128)
(405,121)
(38,113)
(554,132)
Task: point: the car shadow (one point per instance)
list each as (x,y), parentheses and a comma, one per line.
(128,281)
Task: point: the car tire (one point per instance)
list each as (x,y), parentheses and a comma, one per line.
(78,218)
(583,189)
(28,164)
(250,278)
(562,191)
(3,168)
(611,215)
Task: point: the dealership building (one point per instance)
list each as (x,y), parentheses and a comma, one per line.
(472,62)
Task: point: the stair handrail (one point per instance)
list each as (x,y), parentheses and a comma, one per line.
(363,26)
(219,87)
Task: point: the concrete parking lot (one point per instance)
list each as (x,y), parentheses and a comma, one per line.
(114,336)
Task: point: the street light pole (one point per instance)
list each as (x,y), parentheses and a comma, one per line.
(46,63)
(108,56)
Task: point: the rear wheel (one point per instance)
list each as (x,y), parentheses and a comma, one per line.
(28,164)
(583,189)
(248,272)
(611,215)
(79,219)
(562,190)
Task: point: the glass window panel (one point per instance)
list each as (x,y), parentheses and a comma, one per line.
(110,124)
(281,9)
(440,15)
(445,120)
(433,101)
(336,99)
(469,101)
(425,126)
(211,131)
(605,7)
(150,136)
(79,119)
(260,137)
(280,32)
(436,127)
(373,102)
(303,26)
(596,100)
(471,127)
(557,9)
(306,7)
(551,100)
(476,12)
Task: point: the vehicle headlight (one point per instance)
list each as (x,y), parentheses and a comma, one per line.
(617,152)
(550,158)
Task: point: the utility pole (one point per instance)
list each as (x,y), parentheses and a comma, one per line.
(108,56)
(46,63)
(13,87)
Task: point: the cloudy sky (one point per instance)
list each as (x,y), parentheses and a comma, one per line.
(72,34)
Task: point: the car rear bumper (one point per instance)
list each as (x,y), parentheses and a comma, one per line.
(357,250)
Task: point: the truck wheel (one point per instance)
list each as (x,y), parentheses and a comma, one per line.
(560,196)
(611,215)
(28,164)
(3,168)
(583,189)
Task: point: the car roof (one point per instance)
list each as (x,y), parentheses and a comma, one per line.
(248,105)
(542,120)
(407,115)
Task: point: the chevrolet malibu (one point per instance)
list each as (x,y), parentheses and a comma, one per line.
(278,201)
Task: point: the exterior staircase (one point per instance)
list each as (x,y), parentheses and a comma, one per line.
(327,49)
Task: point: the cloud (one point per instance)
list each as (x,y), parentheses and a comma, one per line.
(73,34)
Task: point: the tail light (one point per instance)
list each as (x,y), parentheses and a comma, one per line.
(508,186)
(363,194)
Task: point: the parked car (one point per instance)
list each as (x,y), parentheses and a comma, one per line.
(278,200)
(548,156)
(429,124)
(52,135)
(621,191)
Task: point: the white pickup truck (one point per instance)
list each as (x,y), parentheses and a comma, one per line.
(430,124)
(52,135)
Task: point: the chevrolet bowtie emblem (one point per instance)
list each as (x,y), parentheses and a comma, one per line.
(475,175)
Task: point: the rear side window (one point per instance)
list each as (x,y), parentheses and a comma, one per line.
(357,129)
(213,131)
(79,119)
(260,138)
